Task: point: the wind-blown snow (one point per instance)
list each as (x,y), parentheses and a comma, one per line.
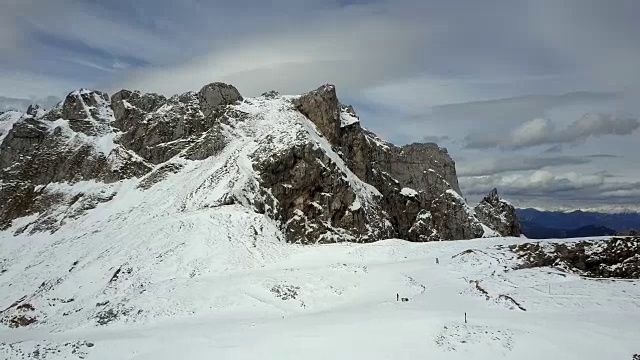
(371,138)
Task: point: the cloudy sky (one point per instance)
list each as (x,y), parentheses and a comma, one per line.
(539,98)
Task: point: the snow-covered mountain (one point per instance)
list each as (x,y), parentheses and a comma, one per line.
(206,218)
(137,188)
(302,161)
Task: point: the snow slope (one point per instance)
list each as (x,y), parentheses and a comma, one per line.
(339,301)
(144,250)
(7,119)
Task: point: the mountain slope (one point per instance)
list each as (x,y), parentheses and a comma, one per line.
(303,161)
(339,301)
(141,194)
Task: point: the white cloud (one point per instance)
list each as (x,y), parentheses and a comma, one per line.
(349,49)
(597,37)
(32,85)
(544,188)
(496,165)
(95,28)
(544,132)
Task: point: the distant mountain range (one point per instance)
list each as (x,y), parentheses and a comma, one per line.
(10,103)
(537,224)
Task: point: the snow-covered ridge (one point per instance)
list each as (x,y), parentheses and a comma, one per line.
(151,137)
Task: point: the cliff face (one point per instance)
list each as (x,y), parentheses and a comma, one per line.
(499,214)
(302,161)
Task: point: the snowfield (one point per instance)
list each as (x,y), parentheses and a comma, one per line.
(203,289)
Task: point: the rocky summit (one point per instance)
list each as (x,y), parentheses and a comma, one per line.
(303,162)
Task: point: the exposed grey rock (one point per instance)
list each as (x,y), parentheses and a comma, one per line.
(129,107)
(315,202)
(422,228)
(453,219)
(32,110)
(349,110)
(214,95)
(615,258)
(499,214)
(426,168)
(57,208)
(37,152)
(413,189)
(18,199)
(158,129)
(271,94)
(159,174)
(87,111)
(433,213)
(321,106)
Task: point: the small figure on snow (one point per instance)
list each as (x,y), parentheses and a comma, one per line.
(397,297)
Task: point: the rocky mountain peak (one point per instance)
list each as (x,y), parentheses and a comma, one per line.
(217,94)
(492,197)
(322,107)
(499,214)
(34,110)
(87,111)
(304,162)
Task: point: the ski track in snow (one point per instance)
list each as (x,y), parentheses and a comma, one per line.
(178,275)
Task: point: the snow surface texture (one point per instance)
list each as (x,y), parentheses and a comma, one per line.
(220,284)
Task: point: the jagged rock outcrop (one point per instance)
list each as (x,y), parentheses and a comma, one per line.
(452,218)
(316,202)
(157,128)
(34,110)
(304,161)
(40,150)
(499,214)
(214,95)
(410,178)
(615,258)
(322,107)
